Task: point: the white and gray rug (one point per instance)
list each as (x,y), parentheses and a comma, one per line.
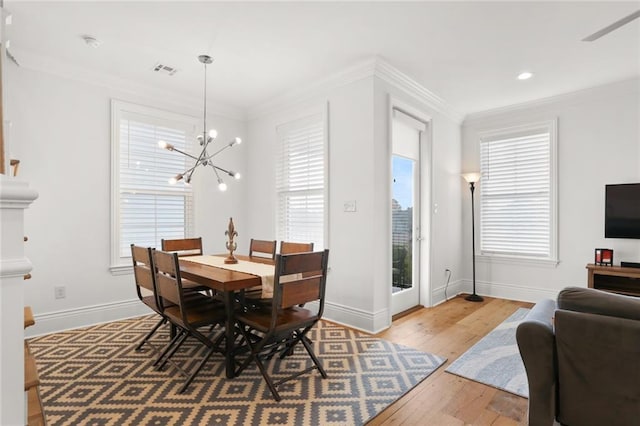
(495,359)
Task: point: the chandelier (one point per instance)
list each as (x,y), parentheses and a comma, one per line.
(205,138)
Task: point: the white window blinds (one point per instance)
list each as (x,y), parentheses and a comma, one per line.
(517,194)
(148,208)
(300,181)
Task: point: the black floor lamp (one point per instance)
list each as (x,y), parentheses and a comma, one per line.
(472,178)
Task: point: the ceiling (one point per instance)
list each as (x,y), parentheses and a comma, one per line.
(468,53)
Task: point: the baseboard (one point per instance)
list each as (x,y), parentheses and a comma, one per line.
(51,322)
(510,291)
(368,322)
(453,289)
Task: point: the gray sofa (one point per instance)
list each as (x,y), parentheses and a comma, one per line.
(582,357)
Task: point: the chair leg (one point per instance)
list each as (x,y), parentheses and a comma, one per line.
(272,387)
(197,370)
(255,356)
(166,349)
(150,333)
(181,338)
(309,349)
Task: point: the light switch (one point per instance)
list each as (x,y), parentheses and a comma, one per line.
(350,206)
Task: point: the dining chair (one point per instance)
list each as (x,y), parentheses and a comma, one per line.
(187,312)
(287,247)
(183,246)
(253,296)
(280,327)
(146,283)
(263,249)
(186,247)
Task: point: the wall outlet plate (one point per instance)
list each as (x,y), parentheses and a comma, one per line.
(350,206)
(60,292)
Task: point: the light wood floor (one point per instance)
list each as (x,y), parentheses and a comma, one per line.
(448,330)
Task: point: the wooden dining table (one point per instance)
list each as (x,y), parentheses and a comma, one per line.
(226,282)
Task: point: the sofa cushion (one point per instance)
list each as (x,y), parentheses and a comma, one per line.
(589,300)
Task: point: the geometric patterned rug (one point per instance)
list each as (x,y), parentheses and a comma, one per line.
(495,360)
(93,376)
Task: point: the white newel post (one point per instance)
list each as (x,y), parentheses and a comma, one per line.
(15,197)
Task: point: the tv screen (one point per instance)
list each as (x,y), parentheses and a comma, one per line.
(622,211)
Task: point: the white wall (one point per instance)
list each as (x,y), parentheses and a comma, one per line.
(60,131)
(359,282)
(598,144)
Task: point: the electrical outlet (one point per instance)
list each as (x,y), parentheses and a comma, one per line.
(60,292)
(350,206)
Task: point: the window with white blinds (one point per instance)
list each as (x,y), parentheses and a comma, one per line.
(517,192)
(301,181)
(146,208)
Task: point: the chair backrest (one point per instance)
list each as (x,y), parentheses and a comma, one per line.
(287,247)
(300,278)
(143,272)
(262,248)
(168,280)
(183,246)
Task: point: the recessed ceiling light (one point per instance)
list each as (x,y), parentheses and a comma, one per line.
(525,75)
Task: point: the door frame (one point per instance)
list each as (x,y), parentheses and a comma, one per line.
(425,188)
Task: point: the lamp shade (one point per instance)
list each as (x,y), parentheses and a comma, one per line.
(471,177)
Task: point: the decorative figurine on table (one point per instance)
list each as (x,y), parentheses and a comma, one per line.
(231,245)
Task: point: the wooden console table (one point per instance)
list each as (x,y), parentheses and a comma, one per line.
(615,279)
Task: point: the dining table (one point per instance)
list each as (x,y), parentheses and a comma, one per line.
(227,282)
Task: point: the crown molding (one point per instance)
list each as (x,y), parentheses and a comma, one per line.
(315,90)
(388,73)
(188,105)
(562,98)
(372,67)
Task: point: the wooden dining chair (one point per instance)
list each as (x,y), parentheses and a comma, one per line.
(183,246)
(146,283)
(253,296)
(280,327)
(287,247)
(186,247)
(263,249)
(187,312)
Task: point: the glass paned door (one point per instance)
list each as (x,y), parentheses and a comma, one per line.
(405,214)
(402,206)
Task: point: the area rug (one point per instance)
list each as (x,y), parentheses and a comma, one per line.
(495,359)
(94,376)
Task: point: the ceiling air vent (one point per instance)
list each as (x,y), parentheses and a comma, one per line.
(164,69)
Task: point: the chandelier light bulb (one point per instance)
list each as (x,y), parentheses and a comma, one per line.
(238,141)
(221,185)
(213,133)
(236,175)
(175,179)
(165,145)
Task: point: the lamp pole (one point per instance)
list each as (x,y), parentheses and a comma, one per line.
(472,178)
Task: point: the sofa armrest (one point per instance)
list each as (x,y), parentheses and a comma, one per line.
(536,342)
(589,300)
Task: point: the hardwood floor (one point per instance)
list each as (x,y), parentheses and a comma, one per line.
(449,330)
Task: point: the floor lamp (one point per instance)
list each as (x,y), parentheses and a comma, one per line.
(472,178)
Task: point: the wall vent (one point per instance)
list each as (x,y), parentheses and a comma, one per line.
(164,69)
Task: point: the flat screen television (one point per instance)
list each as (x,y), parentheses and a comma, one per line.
(622,211)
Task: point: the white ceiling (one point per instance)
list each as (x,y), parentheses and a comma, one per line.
(468,53)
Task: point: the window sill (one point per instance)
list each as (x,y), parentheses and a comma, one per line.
(521,261)
(121,269)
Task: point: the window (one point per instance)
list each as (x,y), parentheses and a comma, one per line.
(301,181)
(518,192)
(145,207)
